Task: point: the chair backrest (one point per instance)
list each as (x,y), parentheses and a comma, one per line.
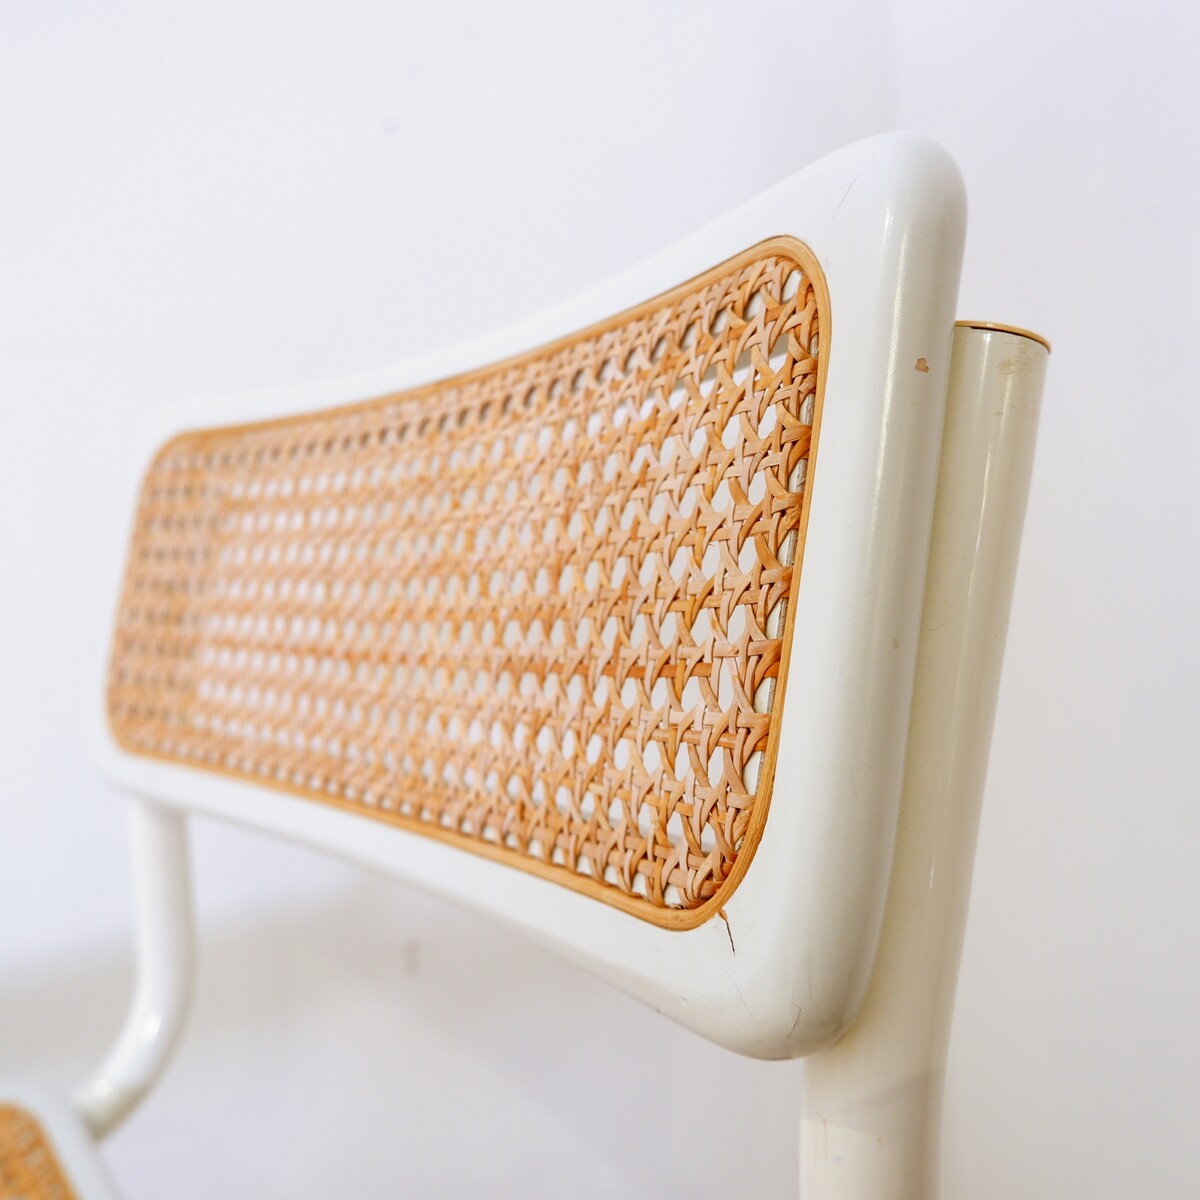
(629,615)
(537,611)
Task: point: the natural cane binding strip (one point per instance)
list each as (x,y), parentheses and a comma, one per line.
(539,611)
(29,1169)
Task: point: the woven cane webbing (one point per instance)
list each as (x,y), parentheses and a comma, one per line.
(29,1169)
(537,610)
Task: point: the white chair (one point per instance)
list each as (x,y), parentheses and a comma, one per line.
(670,637)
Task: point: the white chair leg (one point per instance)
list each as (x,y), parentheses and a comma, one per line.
(873,1105)
(164,969)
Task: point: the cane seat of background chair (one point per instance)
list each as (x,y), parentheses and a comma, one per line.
(46,1152)
(29,1166)
(628,608)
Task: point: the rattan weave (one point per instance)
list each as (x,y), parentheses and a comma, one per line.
(29,1168)
(538,610)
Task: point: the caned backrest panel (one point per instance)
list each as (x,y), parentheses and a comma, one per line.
(540,611)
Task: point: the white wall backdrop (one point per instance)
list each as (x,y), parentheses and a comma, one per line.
(202,197)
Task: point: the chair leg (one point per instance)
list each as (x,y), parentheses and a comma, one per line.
(870,1130)
(165,955)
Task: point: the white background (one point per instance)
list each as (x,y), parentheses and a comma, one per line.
(206,197)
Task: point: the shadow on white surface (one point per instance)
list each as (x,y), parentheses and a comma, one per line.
(375,1042)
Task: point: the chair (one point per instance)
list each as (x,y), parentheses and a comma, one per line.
(669,637)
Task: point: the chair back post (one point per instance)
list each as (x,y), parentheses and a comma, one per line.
(165,954)
(870,1130)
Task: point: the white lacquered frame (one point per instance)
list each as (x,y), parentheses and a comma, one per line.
(870,1129)
(786,971)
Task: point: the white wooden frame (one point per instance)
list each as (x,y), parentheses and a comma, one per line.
(787,971)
